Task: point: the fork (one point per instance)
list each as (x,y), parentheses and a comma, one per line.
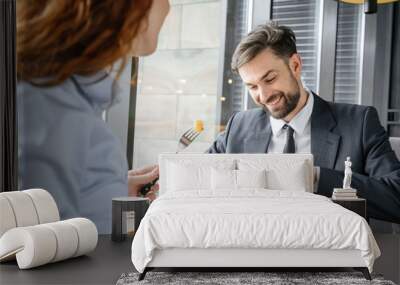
(186,139)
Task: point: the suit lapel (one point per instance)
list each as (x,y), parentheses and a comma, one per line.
(324,142)
(258,142)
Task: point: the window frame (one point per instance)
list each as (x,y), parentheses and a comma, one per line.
(8,100)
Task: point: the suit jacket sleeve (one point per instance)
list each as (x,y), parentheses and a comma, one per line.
(380,184)
(221,142)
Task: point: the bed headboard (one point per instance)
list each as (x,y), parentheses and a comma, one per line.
(281,163)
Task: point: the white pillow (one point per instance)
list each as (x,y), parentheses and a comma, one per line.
(223,179)
(185,177)
(186,174)
(294,178)
(226,179)
(284,171)
(251,178)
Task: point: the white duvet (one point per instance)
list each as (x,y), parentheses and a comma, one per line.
(253,218)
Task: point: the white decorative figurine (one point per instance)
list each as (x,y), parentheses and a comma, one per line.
(347,174)
(345,193)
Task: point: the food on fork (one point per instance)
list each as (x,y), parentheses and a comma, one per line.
(198,126)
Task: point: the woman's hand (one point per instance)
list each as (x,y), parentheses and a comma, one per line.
(137,178)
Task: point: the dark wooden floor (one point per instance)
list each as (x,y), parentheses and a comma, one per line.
(102,266)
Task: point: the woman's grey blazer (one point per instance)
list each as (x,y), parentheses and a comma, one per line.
(66,148)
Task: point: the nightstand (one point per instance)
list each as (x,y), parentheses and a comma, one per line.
(357,205)
(127,213)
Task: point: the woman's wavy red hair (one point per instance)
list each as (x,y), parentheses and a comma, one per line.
(59,38)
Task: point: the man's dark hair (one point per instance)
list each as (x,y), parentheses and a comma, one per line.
(280,39)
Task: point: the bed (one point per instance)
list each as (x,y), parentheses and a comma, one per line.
(242,211)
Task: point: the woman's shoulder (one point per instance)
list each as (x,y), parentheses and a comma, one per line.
(58,115)
(63,97)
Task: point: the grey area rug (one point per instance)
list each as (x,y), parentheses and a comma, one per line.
(231,278)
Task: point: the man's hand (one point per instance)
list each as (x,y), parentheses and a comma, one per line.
(137,178)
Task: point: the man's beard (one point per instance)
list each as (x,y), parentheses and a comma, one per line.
(291,101)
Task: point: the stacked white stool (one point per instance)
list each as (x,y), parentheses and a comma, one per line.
(31,230)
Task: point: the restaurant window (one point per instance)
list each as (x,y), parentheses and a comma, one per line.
(348,53)
(303,17)
(187,78)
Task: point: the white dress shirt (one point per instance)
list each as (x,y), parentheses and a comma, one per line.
(301,124)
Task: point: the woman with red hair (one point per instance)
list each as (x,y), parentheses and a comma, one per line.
(65,53)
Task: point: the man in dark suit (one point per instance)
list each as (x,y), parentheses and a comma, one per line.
(294,120)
